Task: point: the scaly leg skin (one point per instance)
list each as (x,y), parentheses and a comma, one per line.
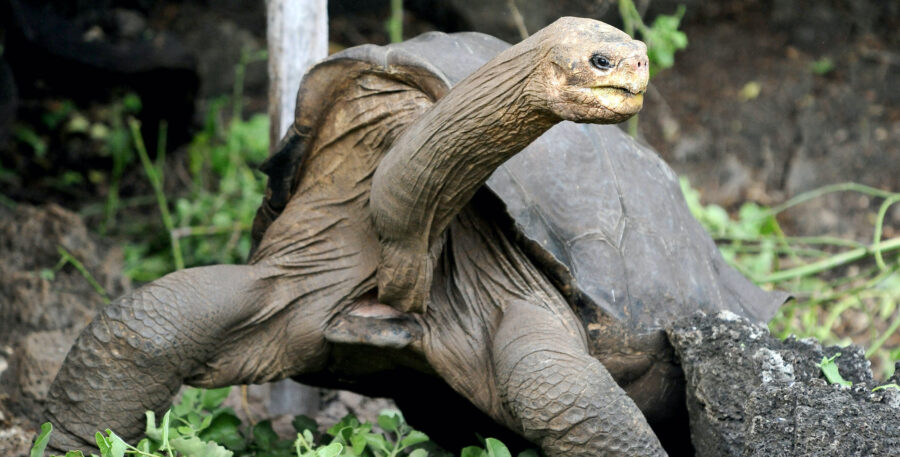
(565,399)
(139,350)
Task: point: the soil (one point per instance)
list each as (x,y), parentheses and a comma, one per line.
(741,114)
(801,131)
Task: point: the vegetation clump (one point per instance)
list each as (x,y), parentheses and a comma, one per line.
(200,426)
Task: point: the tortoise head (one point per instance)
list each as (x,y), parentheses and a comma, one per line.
(590,71)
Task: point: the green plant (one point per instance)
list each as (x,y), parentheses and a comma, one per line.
(154,174)
(829,277)
(494,448)
(210,223)
(394,24)
(397,439)
(199,426)
(662,37)
(27,135)
(830,370)
(822,66)
(66,258)
(118,141)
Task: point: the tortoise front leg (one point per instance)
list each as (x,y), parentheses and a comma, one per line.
(139,350)
(563,398)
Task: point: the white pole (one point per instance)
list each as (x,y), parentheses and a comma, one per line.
(297,36)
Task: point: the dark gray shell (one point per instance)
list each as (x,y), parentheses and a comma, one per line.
(603,215)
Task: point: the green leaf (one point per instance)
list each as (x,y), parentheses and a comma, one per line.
(830,370)
(414,437)
(886,386)
(164,432)
(57,113)
(495,448)
(389,421)
(131,103)
(663,40)
(224,429)
(37,450)
(28,136)
(419,453)
(347,421)
(207,419)
(151,430)
(473,451)
(74,454)
(377,442)
(822,66)
(331,450)
(193,446)
(189,402)
(357,444)
(212,398)
(47,274)
(117,446)
(302,423)
(264,436)
(102,444)
(144,446)
(308,436)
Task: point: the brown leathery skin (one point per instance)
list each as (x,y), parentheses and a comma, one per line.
(184,327)
(224,325)
(574,410)
(435,167)
(487,289)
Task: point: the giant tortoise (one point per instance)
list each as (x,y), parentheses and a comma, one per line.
(539,297)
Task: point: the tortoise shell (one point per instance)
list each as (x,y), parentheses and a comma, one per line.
(600,213)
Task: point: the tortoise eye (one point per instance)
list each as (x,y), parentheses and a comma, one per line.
(602,63)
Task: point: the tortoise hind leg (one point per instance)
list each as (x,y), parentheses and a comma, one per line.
(564,399)
(137,352)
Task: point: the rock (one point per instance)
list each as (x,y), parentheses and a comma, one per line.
(198,26)
(337,404)
(37,358)
(42,307)
(30,299)
(749,394)
(818,419)
(15,441)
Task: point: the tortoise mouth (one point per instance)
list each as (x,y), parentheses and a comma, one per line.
(601,91)
(620,100)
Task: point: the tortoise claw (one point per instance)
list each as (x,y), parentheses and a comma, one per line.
(374,324)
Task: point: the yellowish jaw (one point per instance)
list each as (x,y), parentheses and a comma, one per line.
(619,100)
(607,91)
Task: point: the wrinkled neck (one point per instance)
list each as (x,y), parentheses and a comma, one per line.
(432,171)
(484,120)
(491,115)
